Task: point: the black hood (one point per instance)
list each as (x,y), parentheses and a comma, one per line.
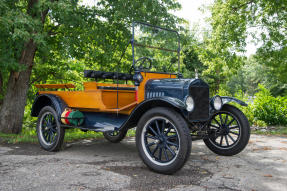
(171,87)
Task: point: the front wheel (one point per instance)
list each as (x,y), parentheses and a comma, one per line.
(228,131)
(163,140)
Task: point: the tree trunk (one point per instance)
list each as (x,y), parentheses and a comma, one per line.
(1,88)
(12,109)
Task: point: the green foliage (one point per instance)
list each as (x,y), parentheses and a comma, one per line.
(263,109)
(247,110)
(259,123)
(233,21)
(272,110)
(72,33)
(192,62)
(252,73)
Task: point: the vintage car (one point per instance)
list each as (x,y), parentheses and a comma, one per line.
(167,110)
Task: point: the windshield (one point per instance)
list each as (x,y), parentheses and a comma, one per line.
(158,46)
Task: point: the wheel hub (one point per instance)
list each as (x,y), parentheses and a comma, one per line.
(48,128)
(225,130)
(162,141)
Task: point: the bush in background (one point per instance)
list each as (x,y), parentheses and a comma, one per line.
(271,110)
(264,109)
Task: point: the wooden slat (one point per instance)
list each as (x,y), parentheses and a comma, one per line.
(54,86)
(122,108)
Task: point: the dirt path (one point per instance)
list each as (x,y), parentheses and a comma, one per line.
(100,165)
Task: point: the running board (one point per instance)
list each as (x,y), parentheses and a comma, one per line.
(95,121)
(100,129)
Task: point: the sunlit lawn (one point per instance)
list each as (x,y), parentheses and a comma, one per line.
(70,135)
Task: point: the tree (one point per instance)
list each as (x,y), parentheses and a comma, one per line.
(42,33)
(20,49)
(265,20)
(192,62)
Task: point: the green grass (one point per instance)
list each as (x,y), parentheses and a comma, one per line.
(13,138)
(31,137)
(277,131)
(70,135)
(76,134)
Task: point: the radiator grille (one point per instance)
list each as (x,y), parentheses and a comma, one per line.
(200,96)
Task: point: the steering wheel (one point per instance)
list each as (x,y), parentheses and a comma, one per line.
(143,60)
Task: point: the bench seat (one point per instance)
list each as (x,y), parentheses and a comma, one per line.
(107,75)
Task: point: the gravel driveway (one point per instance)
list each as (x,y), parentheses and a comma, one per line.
(100,165)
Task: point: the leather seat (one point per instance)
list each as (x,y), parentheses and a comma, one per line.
(107,75)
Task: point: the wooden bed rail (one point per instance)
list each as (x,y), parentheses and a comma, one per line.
(54,86)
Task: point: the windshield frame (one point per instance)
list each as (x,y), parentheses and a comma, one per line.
(151,47)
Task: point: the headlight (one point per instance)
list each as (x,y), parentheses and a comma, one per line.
(217,102)
(189,103)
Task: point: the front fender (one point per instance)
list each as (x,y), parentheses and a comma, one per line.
(173,101)
(170,102)
(226,99)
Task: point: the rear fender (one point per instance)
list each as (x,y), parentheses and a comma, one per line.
(226,99)
(144,106)
(48,100)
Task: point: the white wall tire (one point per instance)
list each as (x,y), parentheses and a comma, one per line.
(163,140)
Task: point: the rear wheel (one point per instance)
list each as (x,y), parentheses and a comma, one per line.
(163,140)
(228,131)
(115,136)
(49,131)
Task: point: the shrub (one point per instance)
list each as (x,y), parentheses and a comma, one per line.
(259,123)
(248,111)
(271,110)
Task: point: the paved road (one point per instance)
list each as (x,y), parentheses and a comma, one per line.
(100,165)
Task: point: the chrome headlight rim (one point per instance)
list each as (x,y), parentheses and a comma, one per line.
(215,100)
(189,103)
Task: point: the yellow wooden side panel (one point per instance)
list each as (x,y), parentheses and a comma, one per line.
(79,99)
(90,86)
(109,98)
(97,100)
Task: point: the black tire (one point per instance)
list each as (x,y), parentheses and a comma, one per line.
(217,136)
(173,131)
(115,136)
(50,135)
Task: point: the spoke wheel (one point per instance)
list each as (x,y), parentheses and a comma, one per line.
(115,136)
(224,130)
(48,128)
(163,140)
(228,131)
(49,131)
